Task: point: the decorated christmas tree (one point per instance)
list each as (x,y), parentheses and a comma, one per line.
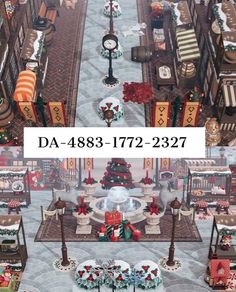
(117,174)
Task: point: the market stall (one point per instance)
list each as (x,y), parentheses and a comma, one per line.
(208,183)
(225,104)
(222,242)
(33,54)
(14,185)
(26,87)
(13,250)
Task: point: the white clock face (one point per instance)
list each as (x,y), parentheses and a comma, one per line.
(110,44)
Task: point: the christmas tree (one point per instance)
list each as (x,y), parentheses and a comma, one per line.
(117,174)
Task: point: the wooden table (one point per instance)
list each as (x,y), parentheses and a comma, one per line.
(165,81)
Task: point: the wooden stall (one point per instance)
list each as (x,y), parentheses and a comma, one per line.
(208,183)
(224,227)
(225,104)
(13,249)
(34,54)
(14,185)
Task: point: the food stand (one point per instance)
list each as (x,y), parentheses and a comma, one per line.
(34,55)
(223,226)
(208,183)
(13,250)
(14,185)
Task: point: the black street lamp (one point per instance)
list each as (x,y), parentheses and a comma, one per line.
(108,117)
(175,206)
(60,206)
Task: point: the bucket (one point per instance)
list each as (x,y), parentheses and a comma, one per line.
(141,54)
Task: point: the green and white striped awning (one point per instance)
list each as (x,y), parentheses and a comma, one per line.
(188,46)
(229,93)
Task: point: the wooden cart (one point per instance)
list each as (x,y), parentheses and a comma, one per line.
(14,254)
(208,183)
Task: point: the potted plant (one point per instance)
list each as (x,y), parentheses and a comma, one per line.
(147,185)
(83,212)
(157,14)
(89,184)
(153,212)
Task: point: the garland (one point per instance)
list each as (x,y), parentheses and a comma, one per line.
(8,232)
(230,47)
(119,161)
(116,173)
(217,15)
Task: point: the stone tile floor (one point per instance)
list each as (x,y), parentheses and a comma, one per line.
(39,275)
(94,67)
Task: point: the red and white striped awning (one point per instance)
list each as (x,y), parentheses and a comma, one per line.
(229,93)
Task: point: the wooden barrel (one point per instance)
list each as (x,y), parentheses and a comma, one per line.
(48,30)
(141,54)
(6,114)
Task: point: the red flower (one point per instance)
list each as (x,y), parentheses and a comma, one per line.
(119,278)
(145,268)
(148,278)
(87,268)
(137,92)
(90,278)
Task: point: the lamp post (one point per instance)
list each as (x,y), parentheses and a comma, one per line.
(108,117)
(60,206)
(175,206)
(111,19)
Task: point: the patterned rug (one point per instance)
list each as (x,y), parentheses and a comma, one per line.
(49,231)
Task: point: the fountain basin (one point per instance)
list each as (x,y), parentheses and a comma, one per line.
(134,216)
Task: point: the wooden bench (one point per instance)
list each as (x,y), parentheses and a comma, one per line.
(50,13)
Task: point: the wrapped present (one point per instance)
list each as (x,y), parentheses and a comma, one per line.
(113,218)
(114,238)
(136,233)
(127,231)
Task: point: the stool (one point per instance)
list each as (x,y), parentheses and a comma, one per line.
(222,206)
(13,205)
(201,205)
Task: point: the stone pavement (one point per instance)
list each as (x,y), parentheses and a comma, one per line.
(94,67)
(39,275)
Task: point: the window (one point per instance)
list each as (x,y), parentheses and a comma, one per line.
(17,163)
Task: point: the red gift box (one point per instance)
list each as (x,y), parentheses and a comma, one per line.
(136,233)
(113,218)
(114,238)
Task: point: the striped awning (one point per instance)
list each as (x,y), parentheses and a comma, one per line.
(188,46)
(229,93)
(25,86)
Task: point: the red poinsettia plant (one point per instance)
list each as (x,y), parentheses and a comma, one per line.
(89,180)
(82,207)
(153,208)
(147,180)
(137,92)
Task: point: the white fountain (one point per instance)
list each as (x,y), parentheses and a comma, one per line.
(118,199)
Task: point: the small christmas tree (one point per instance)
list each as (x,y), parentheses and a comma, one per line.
(117,174)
